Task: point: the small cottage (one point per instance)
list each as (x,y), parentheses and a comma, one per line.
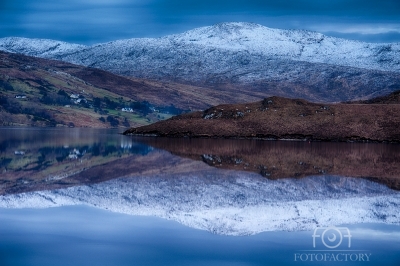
(127,109)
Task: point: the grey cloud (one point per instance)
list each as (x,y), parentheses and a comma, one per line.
(92,21)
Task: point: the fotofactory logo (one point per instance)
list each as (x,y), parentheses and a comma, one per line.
(332,244)
(331,237)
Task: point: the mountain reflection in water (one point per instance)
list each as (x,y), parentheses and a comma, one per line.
(230,202)
(43,159)
(223,186)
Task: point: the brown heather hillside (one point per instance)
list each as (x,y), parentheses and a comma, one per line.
(281,118)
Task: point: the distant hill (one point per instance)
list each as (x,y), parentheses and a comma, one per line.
(282,118)
(241,56)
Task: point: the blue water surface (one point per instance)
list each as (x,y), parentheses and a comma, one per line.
(81,235)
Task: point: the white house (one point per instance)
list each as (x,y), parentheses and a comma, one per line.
(127,109)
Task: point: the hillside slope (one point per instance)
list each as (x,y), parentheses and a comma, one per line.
(40,92)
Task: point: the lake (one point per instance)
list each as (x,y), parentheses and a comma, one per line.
(89,196)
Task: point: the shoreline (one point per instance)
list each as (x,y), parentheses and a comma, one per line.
(177,136)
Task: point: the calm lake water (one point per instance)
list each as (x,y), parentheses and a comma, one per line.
(96,197)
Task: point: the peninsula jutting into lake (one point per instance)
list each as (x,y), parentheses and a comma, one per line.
(375,120)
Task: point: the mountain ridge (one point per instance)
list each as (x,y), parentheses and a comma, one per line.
(247,57)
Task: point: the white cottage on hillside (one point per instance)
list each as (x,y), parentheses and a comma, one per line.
(127,109)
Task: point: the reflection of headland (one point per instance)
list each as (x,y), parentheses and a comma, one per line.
(96,164)
(283,159)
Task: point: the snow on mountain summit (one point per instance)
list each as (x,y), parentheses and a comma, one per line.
(241,35)
(299,45)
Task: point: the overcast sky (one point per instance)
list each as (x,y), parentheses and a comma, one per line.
(94,21)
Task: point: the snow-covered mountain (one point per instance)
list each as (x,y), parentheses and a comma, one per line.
(231,203)
(245,40)
(239,53)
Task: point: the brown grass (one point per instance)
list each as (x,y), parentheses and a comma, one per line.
(281,118)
